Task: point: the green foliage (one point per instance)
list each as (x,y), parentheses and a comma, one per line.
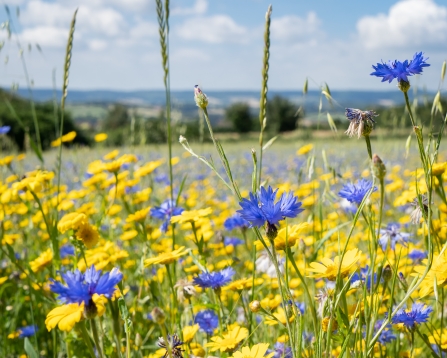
(397,117)
(282,115)
(117,118)
(240,117)
(48,127)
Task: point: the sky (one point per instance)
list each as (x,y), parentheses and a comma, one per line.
(218,44)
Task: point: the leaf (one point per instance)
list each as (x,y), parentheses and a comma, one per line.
(269,143)
(331,122)
(29,349)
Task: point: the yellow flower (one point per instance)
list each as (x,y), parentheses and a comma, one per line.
(191,216)
(140,215)
(305,149)
(167,257)
(330,269)
(257,351)
(100,137)
(280,316)
(189,332)
(68,137)
(3,280)
(6,160)
(71,221)
(88,235)
(438,168)
(42,261)
(239,285)
(291,233)
(65,317)
(102,256)
(112,155)
(437,338)
(129,235)
(113,167)
(229,340)
(100,301)
(197,350)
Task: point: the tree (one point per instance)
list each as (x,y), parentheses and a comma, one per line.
(282,114)
(239,115)
(117,118)
(48,127)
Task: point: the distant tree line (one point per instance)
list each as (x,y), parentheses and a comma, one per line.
(282,116)
(19,116)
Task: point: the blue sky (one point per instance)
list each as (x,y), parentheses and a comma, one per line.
(218,43)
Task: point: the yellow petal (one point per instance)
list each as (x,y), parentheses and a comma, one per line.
(65,317)
(100,301)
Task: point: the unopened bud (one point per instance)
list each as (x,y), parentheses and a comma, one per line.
(158,315)
(255,306)
(271,231)
(378,168)
(386,273)
(138,340)
(403,280)
(404,86)
(200,97)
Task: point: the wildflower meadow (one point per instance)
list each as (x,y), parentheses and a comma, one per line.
(266,248)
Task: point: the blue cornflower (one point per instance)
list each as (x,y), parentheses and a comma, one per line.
(5,129)
(355,193)
(419,313)
(364,277)
(393,235)
(80,287)
(261,208)
(207,321)
(386,336)
(66,250)
(27,331)
(236,221)
(417,255)
(164,212)
(233,241)
(280,351)
(400,70)
(214,280)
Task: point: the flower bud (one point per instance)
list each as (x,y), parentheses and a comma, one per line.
(138,340)
(182,140)
(200,97)
(378,168)
(158,315)
(387,273)
(271,231)
(255,306)
(404,86)
(325,324)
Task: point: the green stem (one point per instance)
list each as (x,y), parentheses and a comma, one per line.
(368,146)
(306,289)
(87,339)
(96,337)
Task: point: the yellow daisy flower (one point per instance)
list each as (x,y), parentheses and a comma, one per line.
(167,257)
(257,351)
(330,269)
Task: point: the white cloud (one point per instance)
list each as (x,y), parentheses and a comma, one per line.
(199,8)
(45,36)
(213,29)
(104,21)
(408,23)
(293,29)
